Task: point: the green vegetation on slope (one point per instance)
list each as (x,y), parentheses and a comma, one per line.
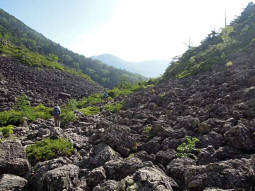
(34,59)
(217,48)
(23,111)
(88,106)
(49,149)
(22,36)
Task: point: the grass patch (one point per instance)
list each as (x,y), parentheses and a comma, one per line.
(49,149)
(17,117)
(7,131)
(91,110)
(114,107)
(91,100)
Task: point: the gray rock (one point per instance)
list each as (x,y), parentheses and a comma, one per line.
(109,185)
(240,137)
(119,169)
(9,182)
(165,157)
(41,168)
(237,174)
(177,167)
(102,154)
(144,156)
(217,189)
(13,159)
(62,178)
(120,138)
(149,178)
(96,176)
(206,155)
(56,132)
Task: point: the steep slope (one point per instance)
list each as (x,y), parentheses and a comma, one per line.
(233,45)
(144,145)
(13,30)
(136,148)
(41,84)
(152,68)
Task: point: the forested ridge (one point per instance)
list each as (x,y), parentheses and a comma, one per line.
(232,45)
(26,39)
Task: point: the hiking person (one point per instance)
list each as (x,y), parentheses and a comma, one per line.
(105,93)
(56,113)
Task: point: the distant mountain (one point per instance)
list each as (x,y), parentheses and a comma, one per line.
(152,68)
(38,48)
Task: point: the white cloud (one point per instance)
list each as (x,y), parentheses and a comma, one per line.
(150,29)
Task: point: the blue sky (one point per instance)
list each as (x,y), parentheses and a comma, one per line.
(60,20)
(131,29)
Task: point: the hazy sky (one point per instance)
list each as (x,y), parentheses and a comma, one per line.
(134,30)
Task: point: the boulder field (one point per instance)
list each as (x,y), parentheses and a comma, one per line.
(135,149)
(40,84)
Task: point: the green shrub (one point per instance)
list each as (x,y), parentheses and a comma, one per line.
(188,149)
(22,103)
(16,117)
(148,130)
(67,117)
(11,118)
(117,92)
(113,107)
(91,100)
(7,131)
(31,113)
(71,105)
(91,110)
(229,63)
(49,149)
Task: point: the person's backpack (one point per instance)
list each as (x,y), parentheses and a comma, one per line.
(105,94)
(56,111)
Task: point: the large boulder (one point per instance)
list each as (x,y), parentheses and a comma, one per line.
(41,168)
(103,153)
(177,167)
(13,159)
(120,138)
(149,179)
(62,178)
(10,182)
(241,137)
(165,157)
(230,174)
(119,169)
(96,176)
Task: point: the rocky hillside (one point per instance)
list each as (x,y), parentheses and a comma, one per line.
(137,147)
(25,38)
(191,134)
(40,84)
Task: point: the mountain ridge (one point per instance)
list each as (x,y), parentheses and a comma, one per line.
(149,68)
